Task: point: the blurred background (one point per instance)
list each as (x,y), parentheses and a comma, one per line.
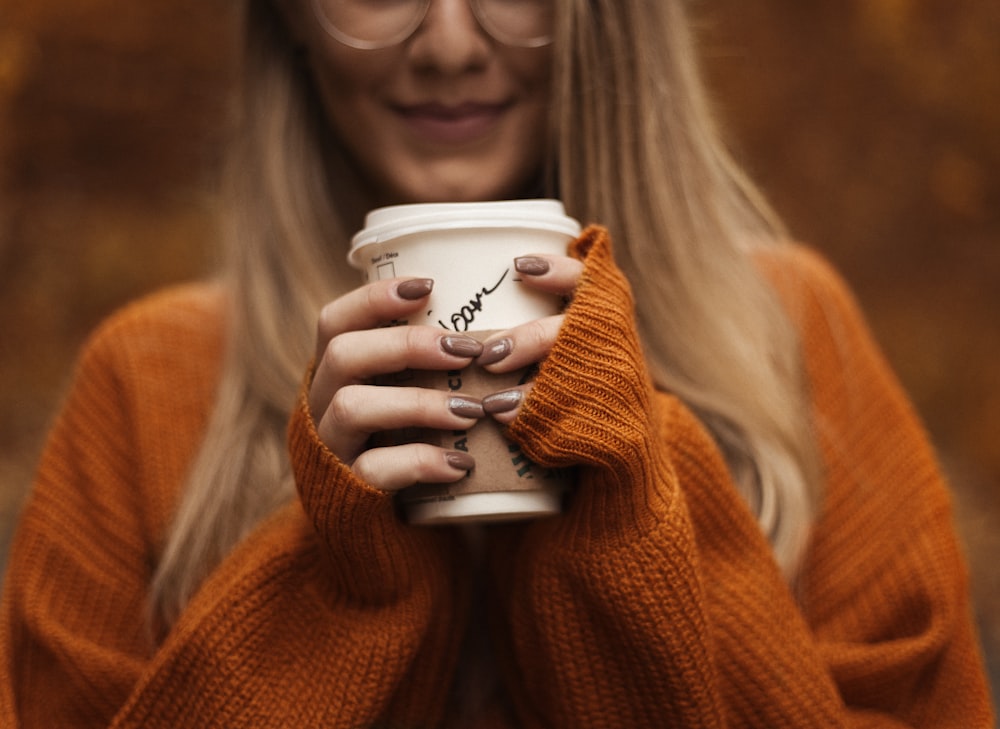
(874,126)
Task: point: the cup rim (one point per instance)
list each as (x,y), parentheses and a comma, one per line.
(396,221)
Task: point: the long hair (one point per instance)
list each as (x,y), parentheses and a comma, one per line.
(635,149)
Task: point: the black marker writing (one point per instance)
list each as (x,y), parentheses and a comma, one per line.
(462,319)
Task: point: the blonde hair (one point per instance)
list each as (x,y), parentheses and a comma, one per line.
(636,149)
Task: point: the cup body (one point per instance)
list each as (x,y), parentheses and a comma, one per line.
(469,250)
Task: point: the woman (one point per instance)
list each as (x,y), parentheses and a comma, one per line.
(758,535)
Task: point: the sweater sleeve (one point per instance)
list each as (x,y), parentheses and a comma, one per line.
(655,599)
(331,613)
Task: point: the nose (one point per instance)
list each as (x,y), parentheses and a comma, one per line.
(450,38)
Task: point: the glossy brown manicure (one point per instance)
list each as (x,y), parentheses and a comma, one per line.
(461,346)
(465,407)
(495,352)
(460,461)
(502,402)
(415,288)
(531,265)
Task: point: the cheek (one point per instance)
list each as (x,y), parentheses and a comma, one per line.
(346,88)
(535,76)
(532,66)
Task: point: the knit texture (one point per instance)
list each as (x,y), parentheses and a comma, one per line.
(653,601)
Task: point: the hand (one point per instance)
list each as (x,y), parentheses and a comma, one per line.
(352,347)
(529,343)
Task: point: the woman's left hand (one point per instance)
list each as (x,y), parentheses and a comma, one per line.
(528,343)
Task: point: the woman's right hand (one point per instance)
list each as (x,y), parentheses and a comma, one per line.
(353,345)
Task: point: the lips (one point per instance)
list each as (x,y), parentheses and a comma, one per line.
(444,124)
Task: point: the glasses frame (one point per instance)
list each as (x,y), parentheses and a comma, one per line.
(418,19)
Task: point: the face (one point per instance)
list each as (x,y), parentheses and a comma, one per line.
(450,114)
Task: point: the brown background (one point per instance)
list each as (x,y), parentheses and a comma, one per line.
(873,124)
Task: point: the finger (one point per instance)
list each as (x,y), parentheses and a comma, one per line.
(354,357)
(358,411)
(552,274)
(371,305)
(505,405)
(521,346)
(396,467)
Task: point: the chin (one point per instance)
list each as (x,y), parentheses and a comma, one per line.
(468,177)
(465,189)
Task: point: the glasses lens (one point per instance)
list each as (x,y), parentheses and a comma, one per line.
(527,23)
(370,23)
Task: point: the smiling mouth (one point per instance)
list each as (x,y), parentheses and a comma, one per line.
(450,125)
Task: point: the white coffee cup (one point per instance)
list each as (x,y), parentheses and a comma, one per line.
(469,250)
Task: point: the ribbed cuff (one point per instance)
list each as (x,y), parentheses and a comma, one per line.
(374,556)
(592,406)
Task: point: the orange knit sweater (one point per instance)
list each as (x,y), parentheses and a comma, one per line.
(654,601)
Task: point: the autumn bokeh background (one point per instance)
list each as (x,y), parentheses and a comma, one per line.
(874,125)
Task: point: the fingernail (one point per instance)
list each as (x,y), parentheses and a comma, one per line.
(495,352)
(502,402)
(465,407)
(414,288)
(460,461)
(461,346)
(531,265)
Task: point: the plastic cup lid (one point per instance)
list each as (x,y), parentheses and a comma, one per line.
(388,223)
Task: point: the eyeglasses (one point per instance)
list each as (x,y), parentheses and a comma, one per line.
(373,24)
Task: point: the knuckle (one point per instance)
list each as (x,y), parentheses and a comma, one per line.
(574,269)
(537,333)
(342,405)
(375,296)
(333,353)
(427,463)
(326,322)
(365,469)
(413,338)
